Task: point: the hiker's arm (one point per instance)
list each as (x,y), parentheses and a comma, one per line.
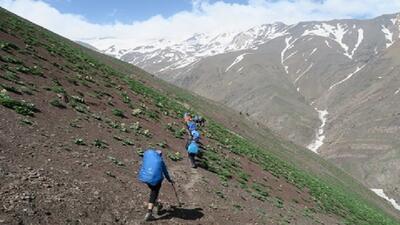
(165,172)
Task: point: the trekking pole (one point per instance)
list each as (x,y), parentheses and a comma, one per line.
(176,195)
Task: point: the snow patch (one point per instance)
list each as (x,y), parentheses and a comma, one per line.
(319,136)
(288,46)
(240,69)
(291,54)
(359,40)
(237,60)
(388,36)
(397,91)
(335,33)
(305,71)
(313,51)
(382,194)
(348,77)
(327,44)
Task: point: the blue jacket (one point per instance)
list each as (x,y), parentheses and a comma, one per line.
(191,126)
(196,135)
(193,148)
(153,168)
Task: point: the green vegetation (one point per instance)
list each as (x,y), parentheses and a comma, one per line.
(11,89)
(140,152)
(118,113)
(278,202)
(116,161)
(125,98)
(26,121)
(146,133)
(79,104)
(259,191)
(79,141)
(100,144)
(57,103)
(162,144)
(127,142)
(135,126)
(11,76)
(9,59)
(20,107)
(174,156)
(7,46)
(136,112)
(180,133)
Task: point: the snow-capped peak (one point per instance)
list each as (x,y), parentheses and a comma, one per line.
(198,46)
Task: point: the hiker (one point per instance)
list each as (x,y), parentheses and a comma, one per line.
(152,173)
(187,117)
(195,135)
(193,150)
(191,126)
(199,120)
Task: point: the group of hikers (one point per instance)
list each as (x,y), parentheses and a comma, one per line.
(153,169)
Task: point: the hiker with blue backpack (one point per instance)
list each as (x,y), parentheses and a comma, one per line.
(193,150)
(190,127)
(152,173)
(195,136)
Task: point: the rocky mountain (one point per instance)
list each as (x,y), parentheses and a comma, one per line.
(330,86)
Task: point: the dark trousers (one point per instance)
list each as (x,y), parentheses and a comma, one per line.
(154,191)
(192,159)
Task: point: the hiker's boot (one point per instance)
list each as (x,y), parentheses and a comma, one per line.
(149,217)
(159,207)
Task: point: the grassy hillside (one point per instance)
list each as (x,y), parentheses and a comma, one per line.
(75,123)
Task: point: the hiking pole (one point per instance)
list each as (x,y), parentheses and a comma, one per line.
(176,195)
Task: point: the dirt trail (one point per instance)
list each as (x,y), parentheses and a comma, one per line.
(186,179)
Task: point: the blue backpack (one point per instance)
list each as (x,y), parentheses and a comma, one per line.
(191,126)
(151,171)
(196,135)
(193,148)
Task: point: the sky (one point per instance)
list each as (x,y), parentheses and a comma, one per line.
(135,22)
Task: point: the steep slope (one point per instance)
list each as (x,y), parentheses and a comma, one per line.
(71,156)
(366,140)
(304,81)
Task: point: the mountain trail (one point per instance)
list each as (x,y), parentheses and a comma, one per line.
(187,179)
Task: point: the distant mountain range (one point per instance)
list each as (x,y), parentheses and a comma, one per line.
(332,86)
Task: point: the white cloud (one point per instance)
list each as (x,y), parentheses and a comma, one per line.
(203,17)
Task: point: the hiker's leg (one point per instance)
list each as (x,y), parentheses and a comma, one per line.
(155,190)
(192,160)
(151,203)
